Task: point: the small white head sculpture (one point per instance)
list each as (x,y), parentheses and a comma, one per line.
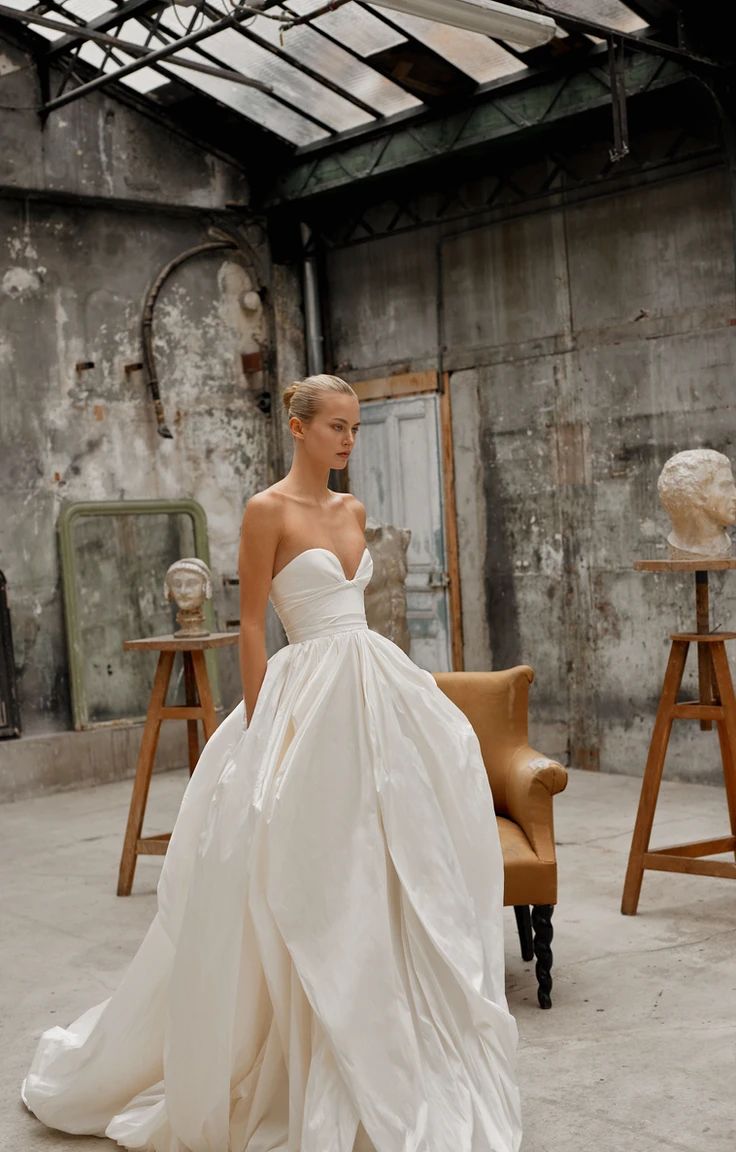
(697,490)
(188,583)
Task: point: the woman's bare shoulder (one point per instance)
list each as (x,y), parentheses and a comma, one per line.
(353,504)
(263,514)
(266,500)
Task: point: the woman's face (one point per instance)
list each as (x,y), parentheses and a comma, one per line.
(329,437)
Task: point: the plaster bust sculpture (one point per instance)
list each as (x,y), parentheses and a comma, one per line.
(188,583)
(385,596)
(698,492)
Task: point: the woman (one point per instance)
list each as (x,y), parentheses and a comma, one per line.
(325,968)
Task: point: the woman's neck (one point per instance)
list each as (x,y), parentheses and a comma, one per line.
(308,480)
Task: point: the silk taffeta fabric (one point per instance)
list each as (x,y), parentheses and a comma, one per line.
(325,968)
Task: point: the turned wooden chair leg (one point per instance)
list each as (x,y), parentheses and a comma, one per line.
(524,928)
(542,925)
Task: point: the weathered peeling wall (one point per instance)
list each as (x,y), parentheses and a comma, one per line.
(585,345)
(98,147)
(73,274)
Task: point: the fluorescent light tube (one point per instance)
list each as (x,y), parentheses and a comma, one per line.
(485,16)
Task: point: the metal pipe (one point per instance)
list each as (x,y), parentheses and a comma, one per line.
(315,340)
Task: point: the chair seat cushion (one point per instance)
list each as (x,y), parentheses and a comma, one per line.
(527,879)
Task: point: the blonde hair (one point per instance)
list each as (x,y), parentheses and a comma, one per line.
(302,398)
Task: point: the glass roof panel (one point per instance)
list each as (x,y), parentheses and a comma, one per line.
(238,52)
(475,55)
(335,49)
(614,13)
(226,92)
(257,106)
(144,80)
(137,33)
(93,54)
(86,10)
(305,45)
(353,25)
(50,33)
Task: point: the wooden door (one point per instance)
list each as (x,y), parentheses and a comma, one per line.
(396,471)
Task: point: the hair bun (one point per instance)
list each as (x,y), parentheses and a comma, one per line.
(288,394)
(302,398)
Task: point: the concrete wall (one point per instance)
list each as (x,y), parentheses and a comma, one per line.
(91,207)
(586,344)
(98,147)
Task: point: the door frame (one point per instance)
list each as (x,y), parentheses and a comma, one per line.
(404,384)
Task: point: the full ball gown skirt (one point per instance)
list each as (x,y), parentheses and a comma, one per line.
(325,968)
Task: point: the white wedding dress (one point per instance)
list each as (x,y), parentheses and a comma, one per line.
(325,969)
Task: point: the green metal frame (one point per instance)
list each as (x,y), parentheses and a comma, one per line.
(70,513)
(502,114)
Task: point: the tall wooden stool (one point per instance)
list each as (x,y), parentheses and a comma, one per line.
(199,706)
(716,703)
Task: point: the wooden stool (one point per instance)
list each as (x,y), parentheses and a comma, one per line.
(716,702)
(199,706)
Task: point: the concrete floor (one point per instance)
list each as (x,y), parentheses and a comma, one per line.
(637,1054)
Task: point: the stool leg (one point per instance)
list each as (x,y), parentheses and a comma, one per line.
(143,772)
(202,680)
(190,689)
(653,776)
(726,726)
(705,671)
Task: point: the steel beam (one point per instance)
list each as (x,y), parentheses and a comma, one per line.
(154,57)
(636,40)
(118,15)
(142,54)
(501,115)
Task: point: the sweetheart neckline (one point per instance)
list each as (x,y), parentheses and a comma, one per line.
(347,579)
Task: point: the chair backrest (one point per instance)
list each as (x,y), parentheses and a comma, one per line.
(496,704)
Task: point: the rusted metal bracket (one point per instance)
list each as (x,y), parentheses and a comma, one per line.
(616,69)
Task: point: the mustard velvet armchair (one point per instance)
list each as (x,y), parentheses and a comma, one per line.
(523,783)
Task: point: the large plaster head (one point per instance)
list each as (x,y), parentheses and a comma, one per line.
(698,492)
(188,583)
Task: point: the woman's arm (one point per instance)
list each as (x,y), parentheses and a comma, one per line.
(259,536)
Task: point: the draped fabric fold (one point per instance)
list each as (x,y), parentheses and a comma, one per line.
(325,967)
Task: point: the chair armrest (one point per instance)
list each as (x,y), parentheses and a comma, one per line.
(531,782)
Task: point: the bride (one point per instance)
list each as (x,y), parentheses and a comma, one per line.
(325,969)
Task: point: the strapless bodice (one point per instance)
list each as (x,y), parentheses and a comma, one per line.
(313,597)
